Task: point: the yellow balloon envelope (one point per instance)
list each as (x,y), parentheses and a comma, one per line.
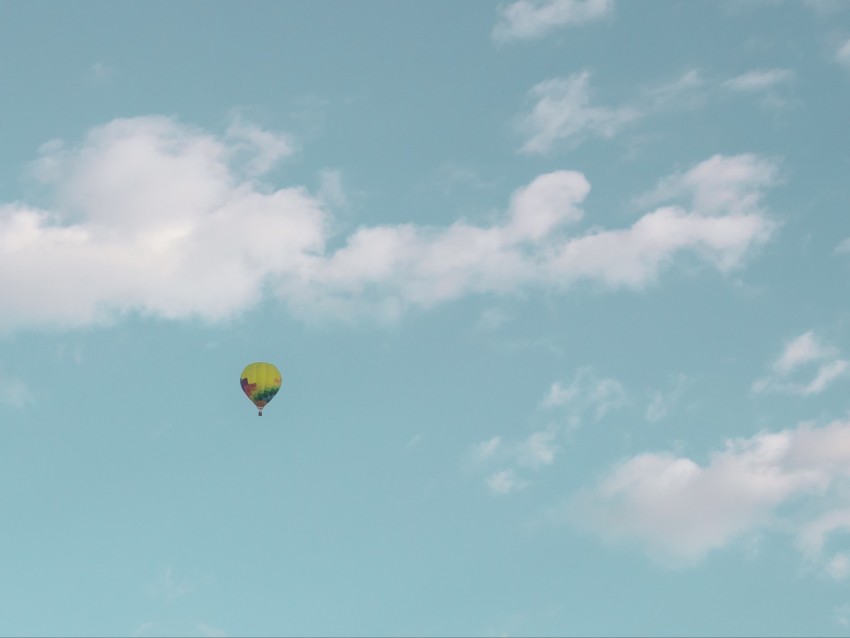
(260,381)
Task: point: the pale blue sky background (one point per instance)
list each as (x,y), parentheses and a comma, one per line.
(559,291)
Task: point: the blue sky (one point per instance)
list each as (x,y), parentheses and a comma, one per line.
(559,292)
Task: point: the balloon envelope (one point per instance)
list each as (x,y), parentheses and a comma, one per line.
(260,382)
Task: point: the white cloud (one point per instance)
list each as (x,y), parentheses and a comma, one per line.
(454,176)
(102,71)
(209,631)
(721,183)
(14,392)
(259,149)
(736,7)
(759,80)
(562,112)
(842,614)
(532,19)
(802,350)
(813,535)
(842,55)
(826,374)
(843,247)
(486,449)
(169,588)
(331,189)
(559,395)
(680,510)
(534,452)
(492,319)
(505,482)
(826,7)
(586,393)
(152,628)
(838,566)
(662,403)
(415,266)
(687,89)
(538,449)
(799,352)
(150,216)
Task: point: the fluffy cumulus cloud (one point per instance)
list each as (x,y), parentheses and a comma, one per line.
(715,211)
(718,184)
(147,215)
(680,510)
(532,19)
(799,354)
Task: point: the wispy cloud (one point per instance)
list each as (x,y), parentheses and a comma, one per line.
(150,218)
(102,71)
(257,149)
(680,510)
(586,393)
(842,614)
(813,536)
(507,463)
(72,352)
(686,90)
(208,631)
(662,403)
(799,352)
(533,19)
(538,449)
(562,113)
(14,392)
(842,55)
(492,319)
(736,7)
(152,628)
(168,587)
(505,482)
(331,188)
(759,80)
(825,8)
(802,350)
(450,177)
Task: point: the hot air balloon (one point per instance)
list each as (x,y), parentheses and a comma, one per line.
(260,381)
